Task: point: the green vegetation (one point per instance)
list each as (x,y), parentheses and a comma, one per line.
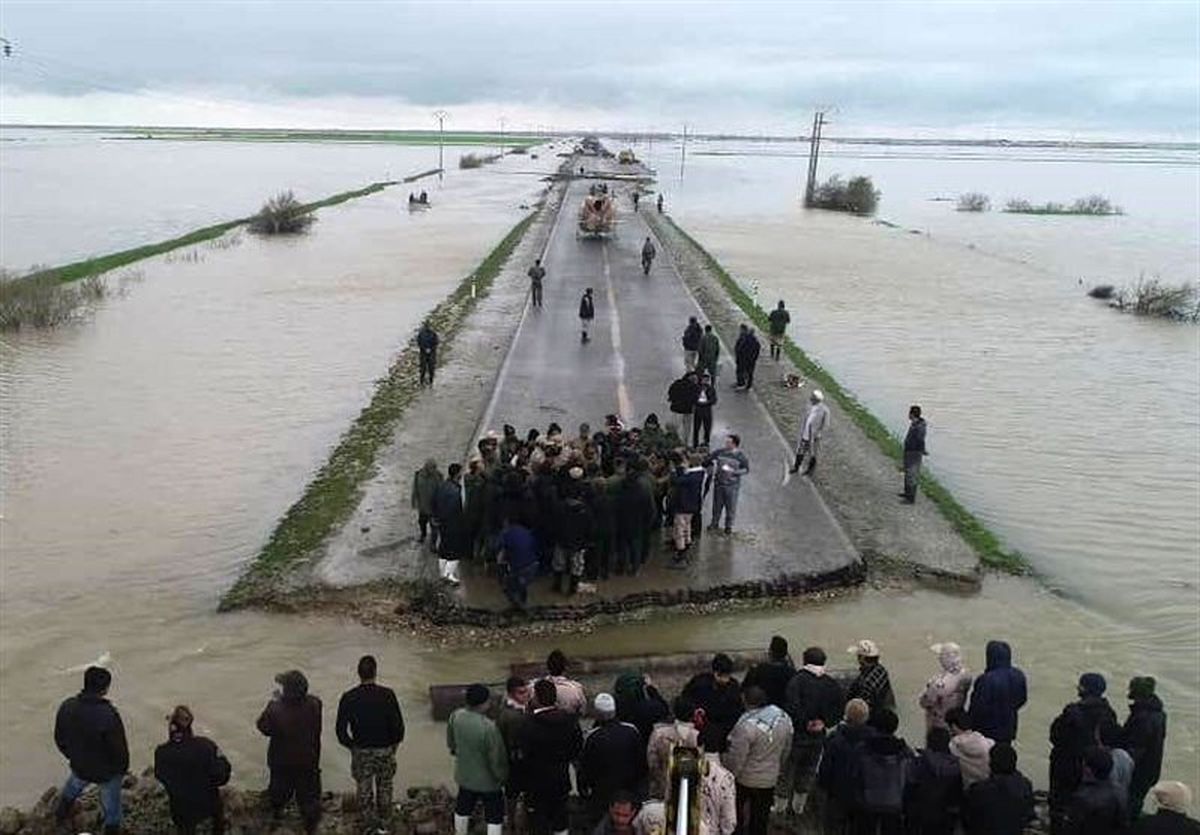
(394,137)
(1104,292)
(974,201)
(1152,297)
(1095,205)
(283,214)
(858,196)
(992,552)
(44,301)
(471,161)
(335,491)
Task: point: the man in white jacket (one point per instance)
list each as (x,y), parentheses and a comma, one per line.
(758,744)
(815,423)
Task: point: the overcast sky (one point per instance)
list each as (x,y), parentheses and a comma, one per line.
(1103,69)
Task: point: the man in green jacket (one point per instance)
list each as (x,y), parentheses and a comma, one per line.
(480,762)
(710,351)
(425,484)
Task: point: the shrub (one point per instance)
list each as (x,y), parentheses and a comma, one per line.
(43,301)
(1092,205)
(470,161)
(1102,291)
(974,201)
(1152,297)
(283,214)
(858,196)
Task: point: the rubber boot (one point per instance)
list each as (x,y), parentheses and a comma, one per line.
(461,822)
(495,829)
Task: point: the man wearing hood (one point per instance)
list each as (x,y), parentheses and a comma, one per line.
(1003,803)
(550,740)
(758,744)
(88,731)
(838,773)
(969,747)
(998,694)
(1144,736)
(883,765)
(1077,729)
(425,485)
(292,721)
(815,702)
(948,689)
(191,769)
(815,423)
(745,353)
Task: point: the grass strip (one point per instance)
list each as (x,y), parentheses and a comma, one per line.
(331,496)
(987,545)
(77,270)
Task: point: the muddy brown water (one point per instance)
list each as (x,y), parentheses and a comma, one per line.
(149,450)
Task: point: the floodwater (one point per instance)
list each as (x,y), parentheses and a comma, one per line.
(148,451)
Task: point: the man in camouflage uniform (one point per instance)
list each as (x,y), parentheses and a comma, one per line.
(370,724)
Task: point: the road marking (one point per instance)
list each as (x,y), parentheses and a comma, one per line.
(624,405)
(490,411)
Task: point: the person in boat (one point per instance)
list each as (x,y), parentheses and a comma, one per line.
(412,198)
(424,199)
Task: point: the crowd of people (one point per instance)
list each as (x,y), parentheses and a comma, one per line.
(579,507)
(802,741)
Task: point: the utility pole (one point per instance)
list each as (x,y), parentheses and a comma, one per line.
(814,150)
(501,136)
(441,116)
(683,151)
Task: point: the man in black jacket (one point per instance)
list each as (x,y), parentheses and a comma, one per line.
(550,740)
(1003,803)
(1144,735)
(292,721)
(89,733)
(691,343)
(453,538)
(192,769)
(719,695)
(613,759)
(682,394)
(370,724)
(1078,728)
(706,398)
(1095,808)
(745,353)
(883,765)
(587,312)
(815,702)
(838,772)
(427,343)
(914,453)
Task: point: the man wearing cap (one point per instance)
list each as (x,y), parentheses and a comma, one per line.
(815,423)
(1173,799)
(292,721)
(612,761)
(480,762)
(191,769)
(587,312)
(1080,725)
(89,733)
(370,724)
(702,410)
(914,453)
(873,685)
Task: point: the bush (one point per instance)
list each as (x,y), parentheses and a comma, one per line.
(1152,297)
(470,161)
(1102,291)
(43,301)
(1092,205)
(858,196)
(974,201)
(283,214)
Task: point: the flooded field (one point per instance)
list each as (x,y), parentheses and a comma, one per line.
(148,451)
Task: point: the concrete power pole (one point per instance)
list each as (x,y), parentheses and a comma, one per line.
(441,116)
(814,150)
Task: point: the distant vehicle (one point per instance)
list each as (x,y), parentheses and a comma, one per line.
(598,214)
(626,157)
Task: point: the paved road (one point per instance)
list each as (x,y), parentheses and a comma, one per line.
(633,355)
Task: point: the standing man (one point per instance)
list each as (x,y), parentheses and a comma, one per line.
(648,253)
(730,465)
(1144,734)
(748,351)
(739,356)
(682,396)
(518,553)
(613,759)
(687,492)
(425,485)
(758,744)
(914,452)
(427,343)
(536,273)
(512,717)
(709,352)
(192,769)
(480,762)
(873,685)
(706,398)
(692,335)
(451,523)
(719,695)
(998,695)
(292,721)
(587,312)
(551,741)
(660,203)
(815,702)
(370,724)
(779,320)
(89,733)
(810,434)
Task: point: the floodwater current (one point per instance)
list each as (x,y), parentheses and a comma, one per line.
(148,451)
